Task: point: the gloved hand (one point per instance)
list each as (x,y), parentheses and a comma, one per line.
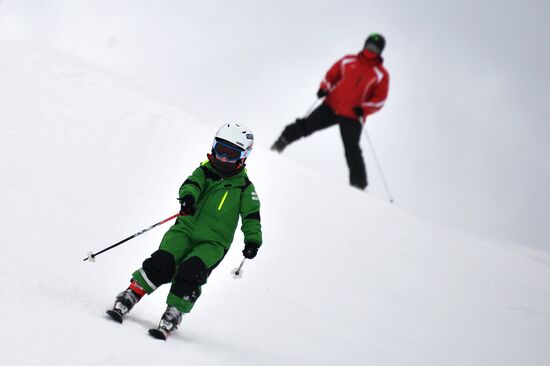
(188,205)
(358,111)
(322,93)
(250,250)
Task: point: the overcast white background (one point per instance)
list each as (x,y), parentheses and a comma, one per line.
(463,138)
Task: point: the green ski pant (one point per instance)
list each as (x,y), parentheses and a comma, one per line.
(184,263)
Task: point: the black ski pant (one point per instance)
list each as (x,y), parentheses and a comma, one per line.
(350,130)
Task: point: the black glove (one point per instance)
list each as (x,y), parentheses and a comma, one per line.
(358,111)
(188,205)
(322,93)
(250,250)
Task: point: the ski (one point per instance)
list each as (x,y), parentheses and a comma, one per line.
(115,315)
(153,332)
(158,333)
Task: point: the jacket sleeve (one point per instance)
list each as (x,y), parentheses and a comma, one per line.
(250,216)
(193,185)
(332,77)
(377,98)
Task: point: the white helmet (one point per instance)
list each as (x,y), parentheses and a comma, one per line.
(237,135)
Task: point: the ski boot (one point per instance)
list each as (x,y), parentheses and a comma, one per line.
(280,144)
(170,321)
(125,301)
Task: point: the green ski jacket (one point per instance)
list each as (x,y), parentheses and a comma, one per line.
(220,202)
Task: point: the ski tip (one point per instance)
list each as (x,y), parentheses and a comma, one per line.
(115,315)
(156,333)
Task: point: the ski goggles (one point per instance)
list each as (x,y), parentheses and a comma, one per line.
(227,152)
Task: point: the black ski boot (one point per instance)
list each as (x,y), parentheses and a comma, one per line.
(280,144)
(170,321)
(124,302)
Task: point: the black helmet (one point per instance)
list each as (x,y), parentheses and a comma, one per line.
(375,43)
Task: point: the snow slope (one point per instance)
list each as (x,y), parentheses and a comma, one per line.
(87,158)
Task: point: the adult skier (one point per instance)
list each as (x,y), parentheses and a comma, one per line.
(356,86)
(212,199)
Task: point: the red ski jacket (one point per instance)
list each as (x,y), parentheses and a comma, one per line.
(357,80)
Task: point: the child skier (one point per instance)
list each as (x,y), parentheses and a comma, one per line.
(212,198)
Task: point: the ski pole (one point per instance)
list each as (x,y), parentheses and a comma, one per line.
(91,256)
(237,272)
(388,192)
(311,108)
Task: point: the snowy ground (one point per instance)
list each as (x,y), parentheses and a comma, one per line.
(87,158)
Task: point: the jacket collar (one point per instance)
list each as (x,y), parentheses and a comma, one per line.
(370,58)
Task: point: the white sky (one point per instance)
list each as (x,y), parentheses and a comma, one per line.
(462,140)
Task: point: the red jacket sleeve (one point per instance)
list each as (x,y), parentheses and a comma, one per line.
(378,97)
(333,76)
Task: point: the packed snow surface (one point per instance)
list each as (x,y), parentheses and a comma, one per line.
(344,278)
